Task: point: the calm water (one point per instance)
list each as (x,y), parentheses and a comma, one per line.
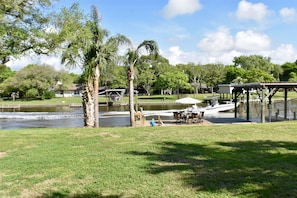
(70,117)
(66,117)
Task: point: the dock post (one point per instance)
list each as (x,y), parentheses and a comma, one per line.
(263,107)
(276,114)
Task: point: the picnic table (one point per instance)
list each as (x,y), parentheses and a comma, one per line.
(188,116)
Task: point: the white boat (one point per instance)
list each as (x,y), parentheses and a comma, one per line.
(209,110)
(218,108)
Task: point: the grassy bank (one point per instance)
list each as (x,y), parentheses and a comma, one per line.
(256,160)
(125,100)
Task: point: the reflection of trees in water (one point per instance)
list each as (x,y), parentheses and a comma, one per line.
(277,107)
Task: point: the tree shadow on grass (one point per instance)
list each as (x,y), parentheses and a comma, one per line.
(246,168)
(87,195)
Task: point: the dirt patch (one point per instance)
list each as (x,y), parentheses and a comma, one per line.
(106,134)
(3,154)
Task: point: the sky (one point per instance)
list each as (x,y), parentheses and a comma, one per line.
(196,31)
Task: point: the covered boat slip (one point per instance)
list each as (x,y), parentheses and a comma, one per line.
(265,91)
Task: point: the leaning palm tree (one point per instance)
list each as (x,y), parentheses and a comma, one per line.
(94,50)
(147,46)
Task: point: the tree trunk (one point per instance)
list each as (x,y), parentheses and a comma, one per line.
(131,95)
(96,103)
(88,104)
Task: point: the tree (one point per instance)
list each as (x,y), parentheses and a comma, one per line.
(147,79)
(5,72)
(115,77)
(133,55)
(196,74)
(88,46)
(293,77)
(277,71)
(214,74)
(233,74)
(287,69)
(32,81)
(253,62)
(23,28)
(175,80)
(258,75)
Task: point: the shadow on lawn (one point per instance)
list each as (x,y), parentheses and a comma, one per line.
(87,195)
(246,168)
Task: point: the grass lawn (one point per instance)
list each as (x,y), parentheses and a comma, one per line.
(140,99)
(248,160)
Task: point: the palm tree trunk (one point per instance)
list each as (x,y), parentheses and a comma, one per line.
(88,104)
(131,95)
(96,103)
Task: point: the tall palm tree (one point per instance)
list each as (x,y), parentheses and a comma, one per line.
(95,51)
(147,46)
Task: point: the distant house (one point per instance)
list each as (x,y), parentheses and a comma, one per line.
(225,91)
(74,90)
(225,88)
(202,87)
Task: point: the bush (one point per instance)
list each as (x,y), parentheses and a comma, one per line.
(32,93)
(49,95)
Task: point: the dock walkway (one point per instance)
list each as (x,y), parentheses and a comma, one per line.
(205,122)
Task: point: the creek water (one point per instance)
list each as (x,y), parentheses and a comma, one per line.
(72,117)
(66,116)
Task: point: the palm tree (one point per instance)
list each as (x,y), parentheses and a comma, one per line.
(95,51)
(147,46)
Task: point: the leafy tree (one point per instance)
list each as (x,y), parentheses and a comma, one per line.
(5,72)
(253,62)
(119,77)
(196,73)
(147,79)
(175,80)
(215,74)
(277,71)
(23,28)
(288,68)
(233,74)
(161,65)
(258,75)
(133,56)
(32,81)
(293,77)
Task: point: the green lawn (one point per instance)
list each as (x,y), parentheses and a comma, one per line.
(139,99)
(78,100)
(246,160)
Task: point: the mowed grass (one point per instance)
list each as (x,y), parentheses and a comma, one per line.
(248,160)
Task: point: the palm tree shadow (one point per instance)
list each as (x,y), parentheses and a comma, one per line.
(248,168)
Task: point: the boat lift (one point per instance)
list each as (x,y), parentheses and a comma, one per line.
(265,91)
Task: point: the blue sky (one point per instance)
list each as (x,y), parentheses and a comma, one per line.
(199,31)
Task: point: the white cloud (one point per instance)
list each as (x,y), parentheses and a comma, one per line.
(176,56)
(284,53)
(251,11)
(288,15)
(55,61)
(222,41)
(218,41)
(251,41)
(180,7)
